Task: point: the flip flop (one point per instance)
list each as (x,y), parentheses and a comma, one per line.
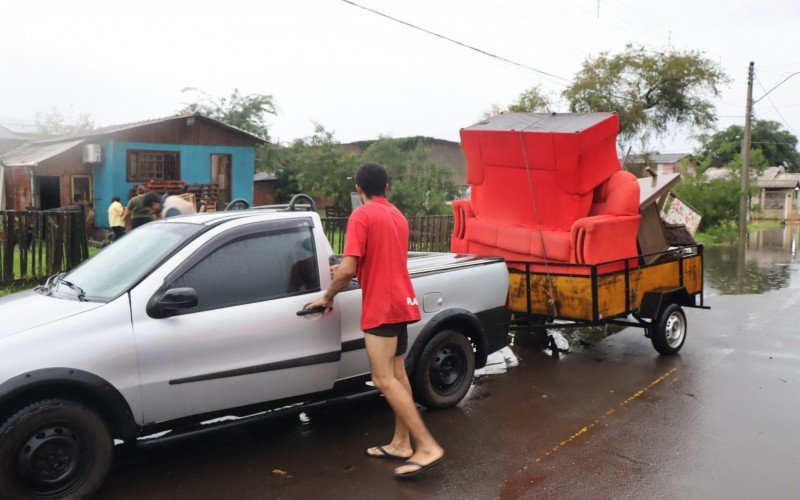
(383,454)
(422,468)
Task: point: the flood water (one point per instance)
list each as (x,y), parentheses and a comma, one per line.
(769,263)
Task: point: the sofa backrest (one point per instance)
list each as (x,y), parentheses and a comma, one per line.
(567,157)
(619,195)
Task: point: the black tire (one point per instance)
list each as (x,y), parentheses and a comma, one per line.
(53,449)
(444,370)
(669,333)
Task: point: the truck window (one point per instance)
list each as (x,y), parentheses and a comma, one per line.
(255,268)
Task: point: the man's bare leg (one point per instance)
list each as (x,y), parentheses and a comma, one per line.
(401,441)
(381,352)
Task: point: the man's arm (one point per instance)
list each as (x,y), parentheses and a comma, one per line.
(342,276)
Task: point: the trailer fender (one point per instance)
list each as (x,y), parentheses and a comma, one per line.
(654,302)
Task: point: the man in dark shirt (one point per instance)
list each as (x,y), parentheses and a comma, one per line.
(376,251)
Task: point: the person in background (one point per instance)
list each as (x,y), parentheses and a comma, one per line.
(138,213)
(203,203)
(116,218)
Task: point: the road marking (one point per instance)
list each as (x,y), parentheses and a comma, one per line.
(585,429)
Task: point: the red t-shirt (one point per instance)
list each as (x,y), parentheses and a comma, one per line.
(377,234)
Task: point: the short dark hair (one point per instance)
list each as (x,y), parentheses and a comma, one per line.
(151,198)
(114,198)
(372,178)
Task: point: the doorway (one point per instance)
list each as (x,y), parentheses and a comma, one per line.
(221,176)
(49,191)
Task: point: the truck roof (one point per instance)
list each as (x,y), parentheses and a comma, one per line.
(262,213)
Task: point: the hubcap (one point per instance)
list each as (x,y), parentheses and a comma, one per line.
(447,370)
(49,461)
(675,329)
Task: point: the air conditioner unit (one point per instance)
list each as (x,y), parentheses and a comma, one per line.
(92,154)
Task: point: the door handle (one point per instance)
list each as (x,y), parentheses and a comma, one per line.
(313,310)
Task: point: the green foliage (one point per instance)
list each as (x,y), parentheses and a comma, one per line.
(651,91)
(533,100)
(716,200)
(55,123)
(248,112)
(417,186)
(317,166)
(769,138)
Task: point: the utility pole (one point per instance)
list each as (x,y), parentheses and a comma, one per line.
(745,195)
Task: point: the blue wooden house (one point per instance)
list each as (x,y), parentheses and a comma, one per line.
(111,161)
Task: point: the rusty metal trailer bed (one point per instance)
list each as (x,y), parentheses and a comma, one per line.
(624,292)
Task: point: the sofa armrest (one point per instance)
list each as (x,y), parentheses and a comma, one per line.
(603,238)
(462,211)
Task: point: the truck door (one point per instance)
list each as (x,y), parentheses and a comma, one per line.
(243,343)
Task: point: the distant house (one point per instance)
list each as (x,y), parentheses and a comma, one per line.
(717,173)
(11,140)
(110,161)
(660,164)
(778,194)
(264,188)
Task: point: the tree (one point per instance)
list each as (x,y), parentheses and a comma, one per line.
(651,91)
(247,112)
(533,100)
(317,166)
(54,123)
(768,137)
(418,185)
(718,200)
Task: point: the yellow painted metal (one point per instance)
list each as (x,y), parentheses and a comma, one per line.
(572,295)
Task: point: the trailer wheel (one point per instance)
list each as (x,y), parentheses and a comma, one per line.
(445,370)
(669,331)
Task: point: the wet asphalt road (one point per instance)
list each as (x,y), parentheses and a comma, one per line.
(613,420)
(610,419)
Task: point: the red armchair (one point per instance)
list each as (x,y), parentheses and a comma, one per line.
(586,210)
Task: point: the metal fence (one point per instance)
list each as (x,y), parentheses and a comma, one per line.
(36,244)
(429,233)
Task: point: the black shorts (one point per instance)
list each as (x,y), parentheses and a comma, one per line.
(399,330)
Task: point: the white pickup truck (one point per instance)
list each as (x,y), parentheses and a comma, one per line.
(198,317)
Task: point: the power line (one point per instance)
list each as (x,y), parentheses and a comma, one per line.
(775,107)
(462,44)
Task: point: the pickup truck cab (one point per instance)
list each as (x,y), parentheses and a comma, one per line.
(197,317)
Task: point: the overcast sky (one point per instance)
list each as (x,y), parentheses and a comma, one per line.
(362,75)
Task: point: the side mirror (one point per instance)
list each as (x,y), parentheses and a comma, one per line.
(171,302)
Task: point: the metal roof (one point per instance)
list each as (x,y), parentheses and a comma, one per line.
(265,176)
(785,181)
(31,154)
(112,129)
(10,135)
(655,159)
(541,122)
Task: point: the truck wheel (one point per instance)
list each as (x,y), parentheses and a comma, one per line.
(53,449)
(669,332)
(444,371)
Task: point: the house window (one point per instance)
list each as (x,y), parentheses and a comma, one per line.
(81,189)
(153,165)
(774,200)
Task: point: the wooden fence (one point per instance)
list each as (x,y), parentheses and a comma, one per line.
(37,244)
(430,233)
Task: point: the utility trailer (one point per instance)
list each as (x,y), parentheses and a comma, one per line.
(624,292)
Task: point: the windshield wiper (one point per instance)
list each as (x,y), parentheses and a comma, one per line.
(78,290)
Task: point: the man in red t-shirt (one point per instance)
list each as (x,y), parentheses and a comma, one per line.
(376,251)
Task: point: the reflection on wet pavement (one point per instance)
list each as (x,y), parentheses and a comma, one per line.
(770,260)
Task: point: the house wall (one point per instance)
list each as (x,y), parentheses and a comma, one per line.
(110,178)
(264,193)
(789,209)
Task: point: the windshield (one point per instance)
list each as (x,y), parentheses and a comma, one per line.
(123,263)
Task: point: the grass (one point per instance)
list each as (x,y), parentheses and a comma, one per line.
(31,282)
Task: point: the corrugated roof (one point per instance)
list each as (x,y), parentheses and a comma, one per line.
(787,181)
(10,135)
(265,176)
(541,122)
(655,159)
(111,129)
(29,155)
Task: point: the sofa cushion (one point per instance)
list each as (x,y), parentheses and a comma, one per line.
(521,241)
(619,195)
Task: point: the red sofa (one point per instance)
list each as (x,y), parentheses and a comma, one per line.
(586,209)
